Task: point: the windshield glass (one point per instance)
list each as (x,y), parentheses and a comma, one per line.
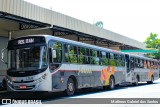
(30,58)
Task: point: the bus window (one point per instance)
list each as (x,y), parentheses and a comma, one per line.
(81,59)
(119,60)
(82,51)
(108,55)
(93,53)
(55,61)
(13,57)
(100,54)
(155,65)
(65,48)
(123,60)
(72,49)
(103,54)
(112,61)
(67,59)
(66,52)
(141,63)
(73,58)
(56,46)
(145,64)
(111,56)
(73,54)
(83,55)
(148,64)
(70,53)
(103,58)
(132,63)
(87,52)
(84,59)
(136,63)
(115,56)
(94,59)
(151,64)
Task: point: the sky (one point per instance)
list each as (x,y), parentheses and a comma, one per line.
(132,18)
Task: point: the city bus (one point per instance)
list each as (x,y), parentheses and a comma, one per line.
(141,69)
(52,64)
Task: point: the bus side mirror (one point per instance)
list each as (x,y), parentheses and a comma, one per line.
(54,55)
(2,55)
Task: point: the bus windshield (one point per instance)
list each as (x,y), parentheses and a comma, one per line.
(28,58)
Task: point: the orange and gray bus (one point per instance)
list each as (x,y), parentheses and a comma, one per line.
(48,63)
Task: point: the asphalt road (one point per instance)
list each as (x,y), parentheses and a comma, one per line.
(142,91)
(82,96)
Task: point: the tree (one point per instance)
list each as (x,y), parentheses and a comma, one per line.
(153,42)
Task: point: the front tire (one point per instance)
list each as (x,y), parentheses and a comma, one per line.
(151,82)
(136,83)
(4,85)
(111,83)
(70,87)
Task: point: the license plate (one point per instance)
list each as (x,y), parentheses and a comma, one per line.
(22,87)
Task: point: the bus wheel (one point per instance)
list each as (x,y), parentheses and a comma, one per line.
(4,85)
(151,82)
(70,87)
(111,83)
(136,83)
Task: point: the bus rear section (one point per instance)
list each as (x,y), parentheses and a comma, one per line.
(141,69)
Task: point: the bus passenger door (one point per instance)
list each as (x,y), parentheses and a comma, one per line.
(128,70)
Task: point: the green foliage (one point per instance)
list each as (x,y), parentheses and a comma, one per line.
(112,62)
(153,42)
(104,61)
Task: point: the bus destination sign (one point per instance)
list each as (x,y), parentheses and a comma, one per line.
(25,41)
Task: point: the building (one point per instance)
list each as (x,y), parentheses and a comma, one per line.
(18,17)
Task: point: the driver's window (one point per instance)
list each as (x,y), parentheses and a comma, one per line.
(55,54)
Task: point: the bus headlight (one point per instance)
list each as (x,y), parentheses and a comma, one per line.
(38,80)
(41,78)
(44,76)
(9,81)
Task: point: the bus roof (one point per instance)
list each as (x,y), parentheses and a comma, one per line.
(142,57)
(50,37)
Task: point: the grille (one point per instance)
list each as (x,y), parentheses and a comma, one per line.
(23,81)
(27,87)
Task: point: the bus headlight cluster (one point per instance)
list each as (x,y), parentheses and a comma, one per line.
(9,81)
(41,78)
(44,76)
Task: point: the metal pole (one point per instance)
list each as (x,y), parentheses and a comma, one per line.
(9,35)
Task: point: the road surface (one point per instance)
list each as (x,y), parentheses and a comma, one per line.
(142,91)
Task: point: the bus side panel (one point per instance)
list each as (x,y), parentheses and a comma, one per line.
(143,74)
(119,77)
(97,81)
(156,74)
(86,76)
